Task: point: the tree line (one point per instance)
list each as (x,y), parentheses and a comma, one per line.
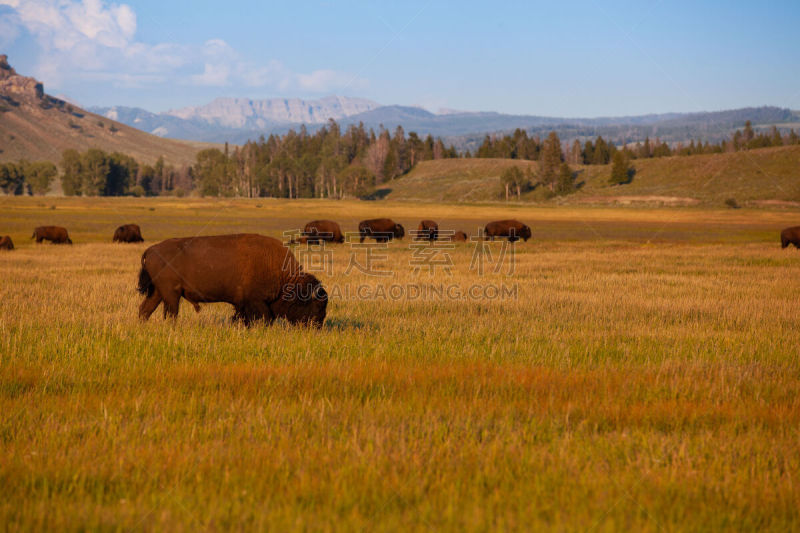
(519,145)
(331,163)
(98,173)
(25,177)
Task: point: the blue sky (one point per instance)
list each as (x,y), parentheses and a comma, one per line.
(581,58)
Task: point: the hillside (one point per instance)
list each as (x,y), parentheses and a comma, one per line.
(36,126)
(751,177)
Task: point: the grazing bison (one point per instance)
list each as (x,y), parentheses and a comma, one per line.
(428,230)
(322,230)
(512,229)
(790,236)
(128,233)
(258,275)
(380,229)
(6,243)
(54,234)
(459,236)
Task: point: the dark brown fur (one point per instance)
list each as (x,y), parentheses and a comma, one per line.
(258,275)
(6,243)
(380,229)
(790,236)
(428,230)
(323,230)
(128,233)
(513,230)
(54,234)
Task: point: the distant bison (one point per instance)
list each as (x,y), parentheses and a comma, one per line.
(790,236)
(6,243)
(128,233)
(258,275)
(54,234)
(323,230)
(428,230)
(460,236)
(512,229)
(380,229)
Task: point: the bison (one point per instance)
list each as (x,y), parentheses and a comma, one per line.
(380,229)
(54,234)
(258,275)
(128,233)
(459,236)
(6,243)
(322,230)
(790,236)
(512,229)
(428,230)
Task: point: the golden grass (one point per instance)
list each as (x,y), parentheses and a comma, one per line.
(646,378)
(748,177)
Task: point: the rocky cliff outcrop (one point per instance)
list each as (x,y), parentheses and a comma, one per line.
(14,85)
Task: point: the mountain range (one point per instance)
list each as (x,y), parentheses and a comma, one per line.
(238,120)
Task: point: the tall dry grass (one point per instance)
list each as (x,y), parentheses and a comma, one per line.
(638,381)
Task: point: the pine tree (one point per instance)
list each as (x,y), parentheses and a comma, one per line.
(749,134)
(550,160)
(566,183)
(619,169)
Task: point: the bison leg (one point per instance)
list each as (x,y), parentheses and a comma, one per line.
(149,305)
(251,311)
(171,305)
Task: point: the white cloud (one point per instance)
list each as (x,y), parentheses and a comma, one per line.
(94,41)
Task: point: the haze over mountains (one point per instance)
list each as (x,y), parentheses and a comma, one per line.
(238,120)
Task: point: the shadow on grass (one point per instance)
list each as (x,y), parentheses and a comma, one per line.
(378,194)
(343,324)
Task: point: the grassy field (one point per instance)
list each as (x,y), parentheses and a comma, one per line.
(644,375)
(752,176)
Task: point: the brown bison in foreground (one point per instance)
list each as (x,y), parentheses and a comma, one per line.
(790,236)
(128,233)
(428,230)
(258,275)
(6,243)
(512,229)
(322,230)
(54,234)
(380,229)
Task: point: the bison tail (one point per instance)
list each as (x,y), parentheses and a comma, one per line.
(145,283)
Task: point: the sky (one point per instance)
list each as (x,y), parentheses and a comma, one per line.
(567,59)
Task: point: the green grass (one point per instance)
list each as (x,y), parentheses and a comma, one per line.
(645,378)
(751,176)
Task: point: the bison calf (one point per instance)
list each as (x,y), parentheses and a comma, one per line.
(6,243)
(380,229)
(790,236)
(258,275)
(128,233)
(459,236)
(513,230)
(54,234)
